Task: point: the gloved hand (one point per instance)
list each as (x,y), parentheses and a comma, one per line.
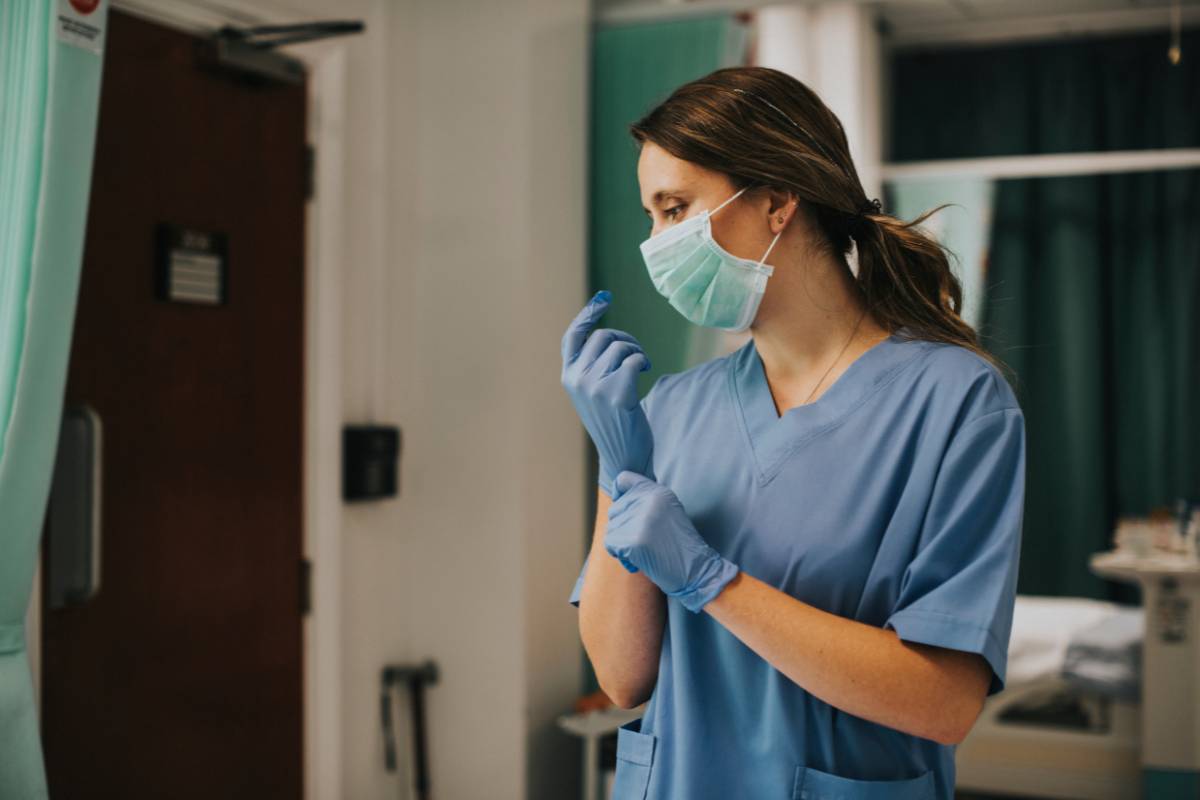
(600,376)
(648,529)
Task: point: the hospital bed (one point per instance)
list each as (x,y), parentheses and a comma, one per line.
(1102,700)
(1068,724)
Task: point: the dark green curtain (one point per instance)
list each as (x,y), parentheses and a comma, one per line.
(635,67)
(1093,282)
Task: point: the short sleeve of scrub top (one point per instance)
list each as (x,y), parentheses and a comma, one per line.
(895,499)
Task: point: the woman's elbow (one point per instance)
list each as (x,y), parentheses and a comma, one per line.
(954,727)
(627,691)
(626,698)
(951,735)
(951,717)
(621,690)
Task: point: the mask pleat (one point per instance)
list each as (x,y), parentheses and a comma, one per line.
(701,280)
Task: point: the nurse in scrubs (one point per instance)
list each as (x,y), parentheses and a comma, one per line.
(805,552)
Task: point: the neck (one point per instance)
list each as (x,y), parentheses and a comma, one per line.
(809,314)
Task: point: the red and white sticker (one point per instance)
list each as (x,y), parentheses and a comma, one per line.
(80,23)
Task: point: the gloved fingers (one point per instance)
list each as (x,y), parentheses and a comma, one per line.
(628,488)
(598,342)
(625,336)
(621,501)
(585,320)
(624,379)
(631,366)
(617,352)
(619,510)
(628,479)
(617,547)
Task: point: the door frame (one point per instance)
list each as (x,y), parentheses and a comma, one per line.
(328,75)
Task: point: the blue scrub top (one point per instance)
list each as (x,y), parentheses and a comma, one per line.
(894,499)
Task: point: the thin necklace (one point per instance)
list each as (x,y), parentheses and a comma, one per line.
(839,356)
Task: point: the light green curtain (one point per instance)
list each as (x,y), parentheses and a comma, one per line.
(962,228)
(1093,281)
(49,93)
(635,67)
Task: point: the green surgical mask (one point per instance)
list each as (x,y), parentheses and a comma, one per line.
(703,281)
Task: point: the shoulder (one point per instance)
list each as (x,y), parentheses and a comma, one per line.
(963,382)
(699,381)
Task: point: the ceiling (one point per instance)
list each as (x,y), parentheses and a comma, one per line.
(918,22)
(944,21)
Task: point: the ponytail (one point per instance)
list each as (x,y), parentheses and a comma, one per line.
(905,276)
(761,126)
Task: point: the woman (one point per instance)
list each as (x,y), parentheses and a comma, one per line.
(809,559)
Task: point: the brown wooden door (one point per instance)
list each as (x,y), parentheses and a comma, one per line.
(182,677)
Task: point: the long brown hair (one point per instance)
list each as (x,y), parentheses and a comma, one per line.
(762,127)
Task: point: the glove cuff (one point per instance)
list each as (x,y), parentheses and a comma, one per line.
(716,574)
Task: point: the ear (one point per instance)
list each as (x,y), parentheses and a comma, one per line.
(782,208)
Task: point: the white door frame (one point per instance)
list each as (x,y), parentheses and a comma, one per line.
(322,513)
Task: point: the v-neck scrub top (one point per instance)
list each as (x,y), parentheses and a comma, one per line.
(895,499)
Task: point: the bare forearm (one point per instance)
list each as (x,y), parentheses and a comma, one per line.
(866,671)
(621,621)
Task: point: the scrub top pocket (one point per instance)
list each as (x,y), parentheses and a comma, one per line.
(635,757)
(812,784)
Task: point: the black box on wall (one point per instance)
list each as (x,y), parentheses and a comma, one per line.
(370,457)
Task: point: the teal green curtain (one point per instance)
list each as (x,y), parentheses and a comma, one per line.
(962,228)
(49,92)
(1093,282)
(635,67)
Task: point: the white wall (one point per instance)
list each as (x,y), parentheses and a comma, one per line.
(465,260)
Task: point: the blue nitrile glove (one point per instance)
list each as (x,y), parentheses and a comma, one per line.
(600,376)
(648,529)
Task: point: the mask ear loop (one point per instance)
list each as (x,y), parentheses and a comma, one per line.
(762,261)
(728,201)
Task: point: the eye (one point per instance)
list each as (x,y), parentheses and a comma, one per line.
(674,211)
